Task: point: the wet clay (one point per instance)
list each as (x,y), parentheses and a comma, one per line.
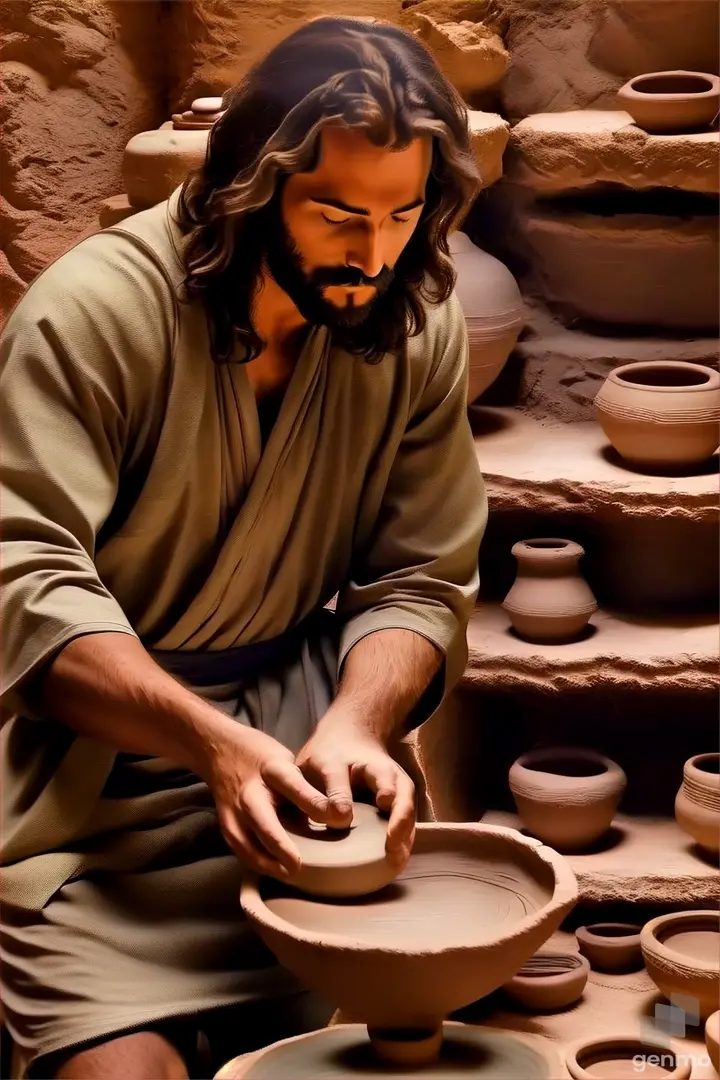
(567,796)
(682,956)
(341,862)
(697,804)
(550,602)
(344,1051)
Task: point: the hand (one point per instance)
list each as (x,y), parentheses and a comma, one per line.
(250,774)
(340,756)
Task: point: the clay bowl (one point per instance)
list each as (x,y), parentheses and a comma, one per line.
(566,796)
(671,101)
(712,1039)
(611,947)
(472,905)
(342,862)
(661,415)
(549,981)
(620,1057)
(682,956)
(697,804)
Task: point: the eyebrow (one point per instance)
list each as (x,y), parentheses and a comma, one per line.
(338,204)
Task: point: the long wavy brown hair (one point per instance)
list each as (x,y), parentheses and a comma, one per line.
(368,75)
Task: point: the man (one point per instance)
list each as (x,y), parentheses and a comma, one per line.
(217,417)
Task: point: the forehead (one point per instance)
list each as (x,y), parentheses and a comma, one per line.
(352,168)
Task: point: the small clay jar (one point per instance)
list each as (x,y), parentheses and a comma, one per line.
(712,1039)
(493,309)
(549,603)
(549,981)
(682,956)
(661,415)
(567,797)
(697,804)
(156,162)
(611,947)
(620,1057)
(671,101)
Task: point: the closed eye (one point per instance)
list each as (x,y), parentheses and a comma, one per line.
(344,221)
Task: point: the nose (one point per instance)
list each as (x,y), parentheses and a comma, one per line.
(367,254)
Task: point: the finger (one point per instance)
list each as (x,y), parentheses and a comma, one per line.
(336,779)
(247,851)
(261,814)
(402,814)
(380,776)
(285,778)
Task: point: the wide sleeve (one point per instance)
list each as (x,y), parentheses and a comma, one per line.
(421,570)
(78,358)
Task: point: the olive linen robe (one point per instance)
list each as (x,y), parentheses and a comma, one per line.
(137,497)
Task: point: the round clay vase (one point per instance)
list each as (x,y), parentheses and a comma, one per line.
(550,603)
(566,796)
(712,1039)
(671,101)
(472,905)
(611,947)
(682,956)
(493,309)
(620,1057)
(549,981)
(697,804)
(341,862)
(156,162)
(664,414)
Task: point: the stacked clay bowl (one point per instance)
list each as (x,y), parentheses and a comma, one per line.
(472,905)
(549,981)
(682,956)
(663,415)
(697,804)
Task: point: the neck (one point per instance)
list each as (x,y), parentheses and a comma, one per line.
(276,319)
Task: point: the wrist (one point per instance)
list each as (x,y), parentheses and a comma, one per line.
(205,738)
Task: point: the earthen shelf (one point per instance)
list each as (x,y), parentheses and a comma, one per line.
(549,467)
(620,651)
(646,860)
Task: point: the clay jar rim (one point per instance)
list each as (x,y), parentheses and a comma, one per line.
(633,86)
(546,549)
(531,761)
(578,1053)
(655,934)
(692,769)
(565,891)
(592,934)
(710,380)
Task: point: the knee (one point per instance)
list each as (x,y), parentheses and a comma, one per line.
(145,1055)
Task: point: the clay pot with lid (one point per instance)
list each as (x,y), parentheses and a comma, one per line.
(682,956)
(664,414)
(549,981)
(712,1039)
(550,602)
(493,309)
(671,101)
(697,804)
(157,162)
(566,796)
(611,947)
(619,1057)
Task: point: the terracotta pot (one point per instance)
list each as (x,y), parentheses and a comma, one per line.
(712,1039)
(682,956)
(619,1057)
(667,101)
(549,603)
(493,308)
(697,804)
(472,905)
(611,947)
(566,796)
(661,415)
(549,981)
(157,162)
(342,862)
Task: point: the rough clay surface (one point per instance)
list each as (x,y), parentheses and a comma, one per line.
(652,862)
(556,153)
(489,134)
(471,56)
(78,78)
(546,468)
(624,652)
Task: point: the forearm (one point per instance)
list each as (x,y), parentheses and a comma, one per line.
(384,676)
(106,686)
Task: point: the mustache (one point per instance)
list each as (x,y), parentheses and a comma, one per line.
(350,275)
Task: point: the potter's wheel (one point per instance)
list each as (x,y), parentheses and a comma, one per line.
(344,1051)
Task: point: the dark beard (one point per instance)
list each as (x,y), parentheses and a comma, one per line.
(305,289)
